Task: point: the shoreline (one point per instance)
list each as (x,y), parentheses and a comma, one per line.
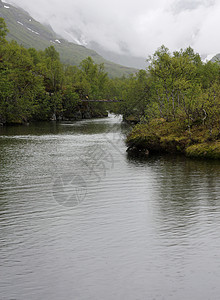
(174,137)
(79,116)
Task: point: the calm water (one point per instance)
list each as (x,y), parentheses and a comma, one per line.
(79,219)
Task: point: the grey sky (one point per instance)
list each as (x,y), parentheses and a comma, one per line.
(140,26)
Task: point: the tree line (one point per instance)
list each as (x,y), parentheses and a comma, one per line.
(175,86)
(35,85)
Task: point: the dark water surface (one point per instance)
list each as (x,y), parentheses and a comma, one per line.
(79,219)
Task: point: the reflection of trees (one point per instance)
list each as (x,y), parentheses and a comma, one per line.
(186,188)
(185,191)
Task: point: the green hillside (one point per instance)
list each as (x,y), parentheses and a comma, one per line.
(30,33)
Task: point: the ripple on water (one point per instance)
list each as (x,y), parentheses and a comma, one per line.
(146,229)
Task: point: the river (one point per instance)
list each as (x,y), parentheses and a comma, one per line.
(80,219)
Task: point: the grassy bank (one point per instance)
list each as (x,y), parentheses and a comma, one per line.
(160,136)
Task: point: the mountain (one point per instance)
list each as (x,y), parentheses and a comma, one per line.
(124,59)
(30,33)
(216,58)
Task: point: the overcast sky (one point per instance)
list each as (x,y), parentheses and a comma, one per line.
(141,26)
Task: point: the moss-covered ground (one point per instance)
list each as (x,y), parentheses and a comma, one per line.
(175,137)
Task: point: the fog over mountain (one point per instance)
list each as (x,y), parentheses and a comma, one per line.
(130,27)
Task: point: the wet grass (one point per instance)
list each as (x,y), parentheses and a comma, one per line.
(175,137)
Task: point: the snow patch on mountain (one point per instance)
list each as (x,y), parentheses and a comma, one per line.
(208,58)
(32,30)
(75,38)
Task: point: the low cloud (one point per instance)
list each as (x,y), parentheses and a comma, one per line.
(138,27)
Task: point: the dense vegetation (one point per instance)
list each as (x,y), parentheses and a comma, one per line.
(35,85)
(178,102)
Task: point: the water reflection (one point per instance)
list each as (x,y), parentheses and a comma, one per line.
(148,228)
(53,128)
(188,196)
